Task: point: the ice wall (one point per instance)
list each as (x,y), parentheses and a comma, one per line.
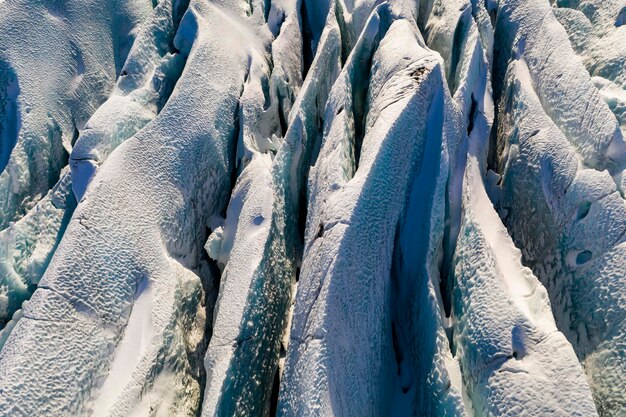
(513,359)
(342,357)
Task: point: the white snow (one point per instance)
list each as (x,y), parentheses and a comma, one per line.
(509,349)
(147,79)
(312,207)
(569,223)
(137,338)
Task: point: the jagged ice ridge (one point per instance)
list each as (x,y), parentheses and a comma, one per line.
(313,208)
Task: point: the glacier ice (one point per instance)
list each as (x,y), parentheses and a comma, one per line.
(145,83)
(312,207)
(510,350)
(58,61)
(342,323)
(558,77)
(568,240)
(28,244)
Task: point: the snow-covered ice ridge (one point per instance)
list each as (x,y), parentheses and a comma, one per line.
(313,208)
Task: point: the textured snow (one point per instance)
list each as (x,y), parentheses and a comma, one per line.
(312,207)
(597,33)
(85,299)
(59,60)
(561,82)
(569,223)
(145,83)
(510,350)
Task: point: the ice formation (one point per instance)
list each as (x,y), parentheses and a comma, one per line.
(27,245)
(313,208)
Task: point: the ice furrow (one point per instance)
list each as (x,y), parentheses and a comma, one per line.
(312,208)
(250,246)
(27,246)
(472,105)
(341,334)
(259,242)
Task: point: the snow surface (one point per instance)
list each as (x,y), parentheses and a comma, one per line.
(59,61)
(560,80)
(312,207)
(510,350)
(29,243)
(559,217)
(146,81)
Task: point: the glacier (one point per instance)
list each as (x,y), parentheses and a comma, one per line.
(128,113)
(313,208)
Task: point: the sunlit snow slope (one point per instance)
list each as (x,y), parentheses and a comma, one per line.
(313,208)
